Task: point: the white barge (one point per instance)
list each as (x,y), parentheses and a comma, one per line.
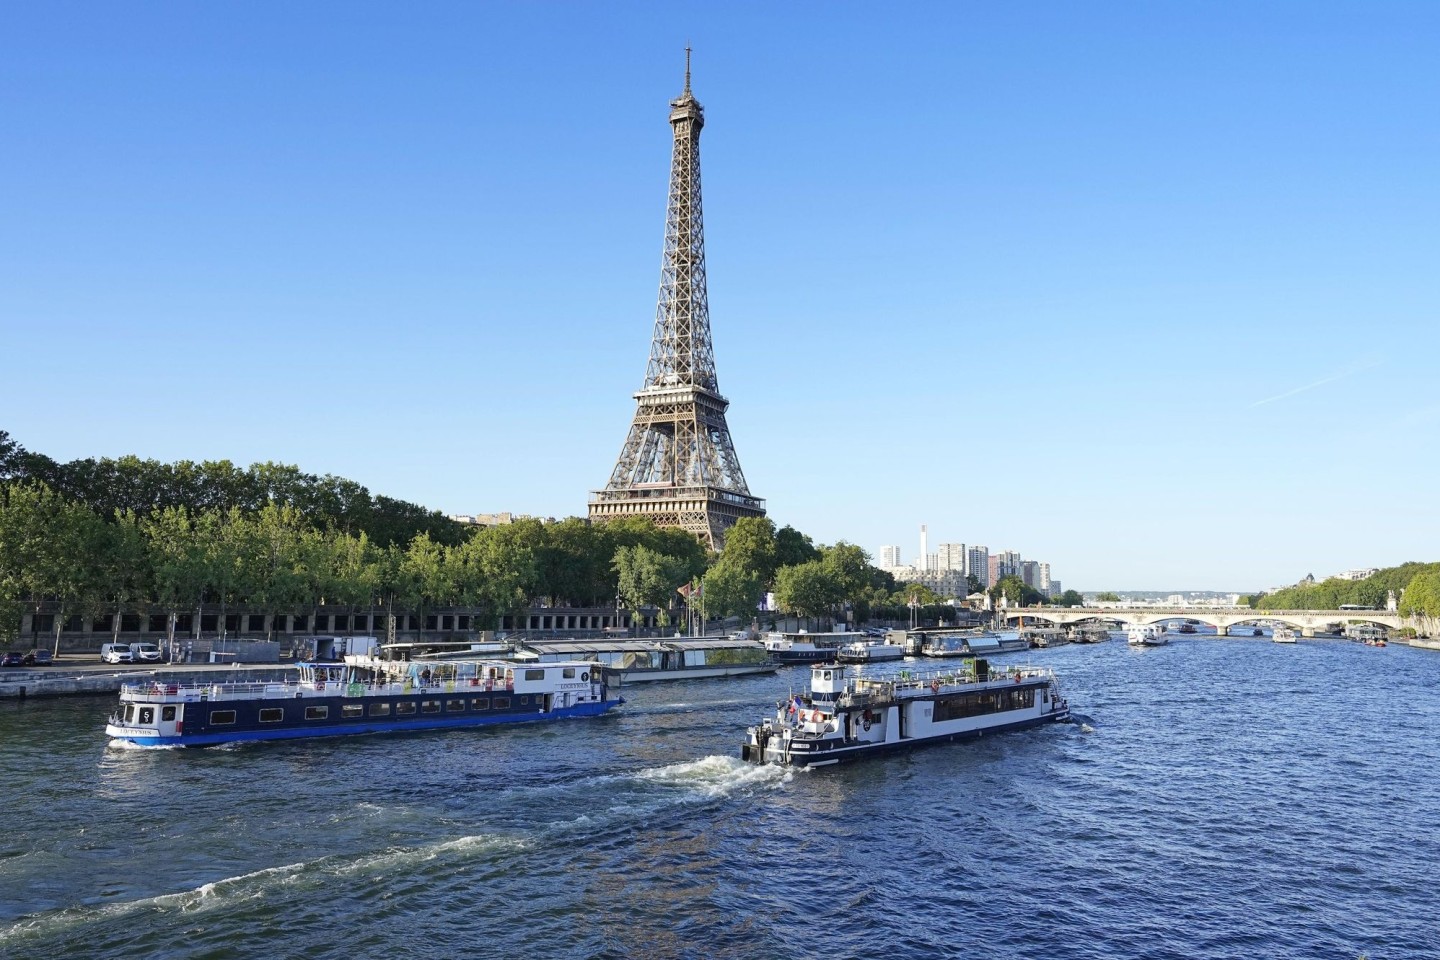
(1145,635)
(843,718)
(636,661)
(362,695)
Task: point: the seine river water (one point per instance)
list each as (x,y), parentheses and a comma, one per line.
(1231,798)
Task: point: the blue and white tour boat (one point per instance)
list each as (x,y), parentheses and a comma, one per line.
(843,718)
(361,695)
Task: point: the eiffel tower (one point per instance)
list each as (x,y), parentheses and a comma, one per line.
(678,465)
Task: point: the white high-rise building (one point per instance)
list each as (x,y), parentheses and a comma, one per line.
(924,549)
(951,556)
(977,565)
(890,557)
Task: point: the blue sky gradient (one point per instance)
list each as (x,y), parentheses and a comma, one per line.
(1144,290)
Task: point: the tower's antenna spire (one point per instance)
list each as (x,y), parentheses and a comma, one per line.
(687,68)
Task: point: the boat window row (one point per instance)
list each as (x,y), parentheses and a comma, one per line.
(980,704)
(145,716)
(353,711)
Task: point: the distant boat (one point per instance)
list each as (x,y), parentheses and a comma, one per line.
(1283,635)
(870,651)
(1146,635)
(1090,633)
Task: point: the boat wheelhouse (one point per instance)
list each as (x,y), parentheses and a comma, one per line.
(361,695)
(843,717)
(679,658)
(1146,635)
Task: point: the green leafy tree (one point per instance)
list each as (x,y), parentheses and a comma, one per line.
(808,589)
(648,578)
(732,589)
(793,548)
(751,549)
(1107,597)
(1070,598)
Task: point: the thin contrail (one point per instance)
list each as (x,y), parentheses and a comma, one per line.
(1312,386)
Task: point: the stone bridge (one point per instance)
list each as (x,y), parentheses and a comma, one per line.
(1221,618)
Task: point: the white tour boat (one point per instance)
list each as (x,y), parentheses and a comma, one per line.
(1146,635)
(1283,635)
(843,718)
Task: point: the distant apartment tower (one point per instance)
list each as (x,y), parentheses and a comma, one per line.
(924,549)
(1054,590)
(889,557)
(1030,574)
(950,556)
(977,565)
(1044,585)
(1009,564)
(992,570)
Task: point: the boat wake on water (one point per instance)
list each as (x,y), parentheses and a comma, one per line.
(715,776)
(1086,724)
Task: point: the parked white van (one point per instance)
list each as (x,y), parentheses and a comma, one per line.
(116,653)
(146,653)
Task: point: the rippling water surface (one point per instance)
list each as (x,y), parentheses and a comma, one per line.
(1233,798)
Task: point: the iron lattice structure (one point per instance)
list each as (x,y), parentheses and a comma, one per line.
(678,465)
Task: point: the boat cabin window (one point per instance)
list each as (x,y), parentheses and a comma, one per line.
(222,718)
(430,706)
(352,710)
(454,706)
(316,713)
(405,708)
(502,703)
(534,674)
(568,673)
(379,709)
(147,715)
(524,701)
(129,712)
(272,715)
(167,713)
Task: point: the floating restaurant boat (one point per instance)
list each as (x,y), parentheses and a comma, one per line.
(680,658)
(870,651)
(361,695)
(1090,633)
(843,718)
(1145,635)
(803,647)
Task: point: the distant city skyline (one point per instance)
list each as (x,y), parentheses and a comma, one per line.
(1157,280)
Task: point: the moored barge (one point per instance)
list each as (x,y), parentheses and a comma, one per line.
(361,695)
(843,717)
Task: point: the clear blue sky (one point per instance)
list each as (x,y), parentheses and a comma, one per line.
(1148,291)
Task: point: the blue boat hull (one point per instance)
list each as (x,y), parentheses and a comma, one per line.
(362,726)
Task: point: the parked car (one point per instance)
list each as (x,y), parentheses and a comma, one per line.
(116,653)
(12,659)
(39,657)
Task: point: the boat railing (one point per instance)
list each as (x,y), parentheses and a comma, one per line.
(863,690)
